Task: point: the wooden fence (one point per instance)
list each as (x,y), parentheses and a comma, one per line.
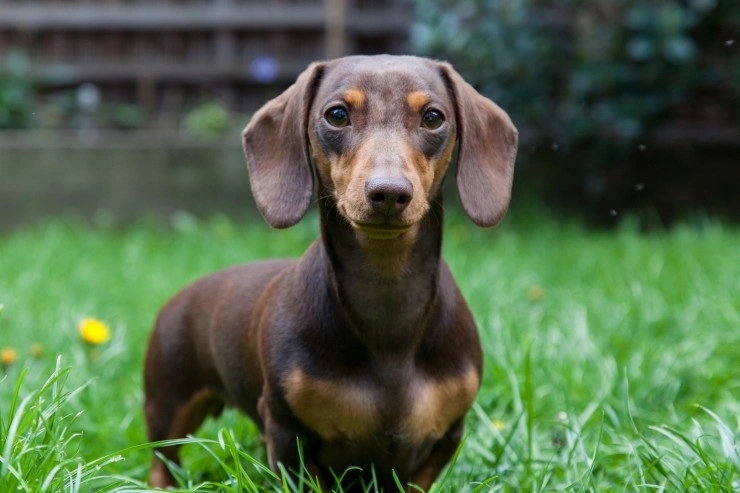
(159,53)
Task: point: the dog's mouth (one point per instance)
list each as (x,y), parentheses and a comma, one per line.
(381,231)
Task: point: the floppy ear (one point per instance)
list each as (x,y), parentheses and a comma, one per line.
(487,142)
(275,145)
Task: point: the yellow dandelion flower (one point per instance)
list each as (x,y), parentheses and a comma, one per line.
(94,331)
(37,350)
(498,424)
(8,356)
(536,292)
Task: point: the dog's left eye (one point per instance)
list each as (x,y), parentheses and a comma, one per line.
(432,119)
(337,117)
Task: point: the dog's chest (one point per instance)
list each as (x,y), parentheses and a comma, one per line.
(410,410)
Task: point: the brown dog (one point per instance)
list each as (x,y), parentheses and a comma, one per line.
(363,349)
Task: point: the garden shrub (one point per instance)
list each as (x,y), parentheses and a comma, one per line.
(574,73)
(16,91)
(616,101)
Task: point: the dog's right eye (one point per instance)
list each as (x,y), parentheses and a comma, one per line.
(432,120)
(337,117)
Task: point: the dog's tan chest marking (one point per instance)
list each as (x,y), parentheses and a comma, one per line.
(435,405)
(332,409)
(340,409)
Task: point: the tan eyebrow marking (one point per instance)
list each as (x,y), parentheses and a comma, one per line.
(417,100)
(354,97)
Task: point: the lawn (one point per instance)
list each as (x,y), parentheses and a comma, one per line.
(612,358)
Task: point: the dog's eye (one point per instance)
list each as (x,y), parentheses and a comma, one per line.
(432,119)
(337,117)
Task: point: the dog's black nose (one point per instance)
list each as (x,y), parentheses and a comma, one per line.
(388,195)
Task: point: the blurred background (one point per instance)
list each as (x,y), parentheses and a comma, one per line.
(124,108)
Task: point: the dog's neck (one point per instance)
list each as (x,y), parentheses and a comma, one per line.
(387,288)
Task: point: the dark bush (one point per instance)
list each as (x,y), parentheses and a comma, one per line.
(590,84)
(575,72)
(16,91)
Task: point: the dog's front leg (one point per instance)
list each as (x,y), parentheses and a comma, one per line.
(440,455)
(282,440)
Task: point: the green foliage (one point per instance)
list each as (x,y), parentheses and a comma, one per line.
(610,357)
(577,72)
(38,440)
(16,92)
(125,115)
(209,118)
(23,106)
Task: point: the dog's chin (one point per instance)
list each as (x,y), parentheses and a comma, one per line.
(376,227)
(381,232)
(381,229)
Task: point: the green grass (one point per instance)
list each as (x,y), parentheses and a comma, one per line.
(611,358)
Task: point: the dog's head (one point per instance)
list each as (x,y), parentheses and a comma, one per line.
(380,131)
